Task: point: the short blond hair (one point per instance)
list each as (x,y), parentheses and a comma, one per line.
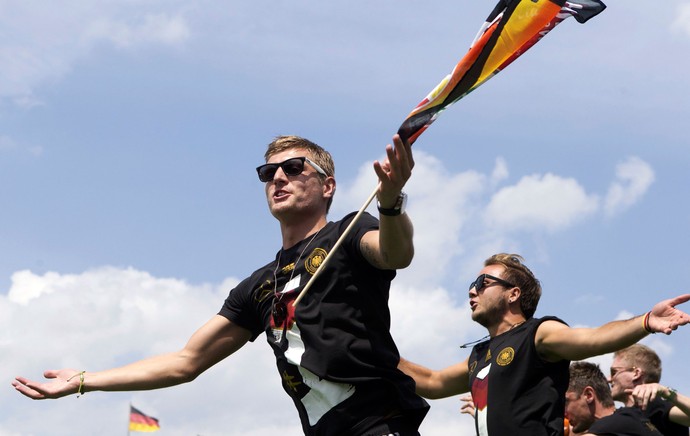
(642,357)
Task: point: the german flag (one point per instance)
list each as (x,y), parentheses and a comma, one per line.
(139,421)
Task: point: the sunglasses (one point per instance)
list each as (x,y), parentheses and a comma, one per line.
(479,284)
(291,167)
(615,371)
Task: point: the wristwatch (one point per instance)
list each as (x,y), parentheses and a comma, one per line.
(397,209)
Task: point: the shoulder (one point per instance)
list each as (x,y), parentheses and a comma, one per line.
(547,325)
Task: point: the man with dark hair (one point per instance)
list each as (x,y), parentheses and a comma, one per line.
(635,377)
(590,409)
(518,377)
(334,351)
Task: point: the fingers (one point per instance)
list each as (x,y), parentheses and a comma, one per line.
(666,318)
(679,299)
(22,386)
(643,394)
(468,407)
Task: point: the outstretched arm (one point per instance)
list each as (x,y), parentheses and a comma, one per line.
(432,384)
(679,413)
(391,246)
(556,341)
(213,342)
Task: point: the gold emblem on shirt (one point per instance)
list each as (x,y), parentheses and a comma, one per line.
(314,260)
(505,356)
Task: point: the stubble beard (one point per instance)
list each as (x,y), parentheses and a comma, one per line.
(491,315)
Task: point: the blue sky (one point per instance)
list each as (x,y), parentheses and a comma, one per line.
(129,134)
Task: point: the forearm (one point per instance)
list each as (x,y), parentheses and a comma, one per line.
(395,240)
(556,341)
(152,373)
(680,413)
(616,335)
(214,341)
(436,384)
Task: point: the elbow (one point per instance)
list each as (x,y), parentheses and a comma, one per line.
(187,376)
(402,259)
(187,373)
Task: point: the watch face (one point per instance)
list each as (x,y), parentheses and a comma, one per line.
(402,202)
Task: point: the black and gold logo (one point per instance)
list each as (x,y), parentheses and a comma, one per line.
(264,291)
(315,260)
(505,356)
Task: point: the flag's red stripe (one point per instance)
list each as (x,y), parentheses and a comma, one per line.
(143,419)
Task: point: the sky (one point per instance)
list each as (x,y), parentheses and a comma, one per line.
(129,134)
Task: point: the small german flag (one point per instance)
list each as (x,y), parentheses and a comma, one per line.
(139,421)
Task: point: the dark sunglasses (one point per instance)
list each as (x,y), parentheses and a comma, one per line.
(291,167)
(479,284)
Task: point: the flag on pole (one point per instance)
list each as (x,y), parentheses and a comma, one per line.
(511,29)
(139,421)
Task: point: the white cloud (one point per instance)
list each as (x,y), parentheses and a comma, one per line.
(153,28)
(8,144)
(547,202)
(500,172)
(633,178)
(44,43)
(682,22)
(440,205)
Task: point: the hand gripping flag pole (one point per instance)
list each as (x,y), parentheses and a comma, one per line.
(511,29)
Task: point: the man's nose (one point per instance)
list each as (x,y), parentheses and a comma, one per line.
(280,174)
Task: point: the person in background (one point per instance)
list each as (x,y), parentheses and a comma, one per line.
(590,409)
(519,375)
(635,381)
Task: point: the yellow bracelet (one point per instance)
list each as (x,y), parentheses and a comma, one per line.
(81,382)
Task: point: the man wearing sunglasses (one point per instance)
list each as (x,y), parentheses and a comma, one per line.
(518,375)
(591,411)
(334,351)
(635,377)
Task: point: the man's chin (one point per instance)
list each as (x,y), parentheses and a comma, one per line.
(479,318)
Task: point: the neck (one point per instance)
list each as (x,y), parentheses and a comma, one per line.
(602,411)
(296,231)
(507,323)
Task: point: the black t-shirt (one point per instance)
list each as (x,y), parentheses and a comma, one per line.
(515,392)
(626,421)
(658,413)
(334,351)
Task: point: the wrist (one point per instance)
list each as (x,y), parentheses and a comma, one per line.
(398,208)
(672,393)
(81,386)
(645,323)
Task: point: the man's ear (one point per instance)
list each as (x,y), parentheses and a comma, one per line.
(638,376)
(588,393)
(514,294)
(329,187)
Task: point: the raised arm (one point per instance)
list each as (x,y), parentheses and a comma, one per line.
(391,246)
(679,413)
(214,341)
(433,384)
(556,341)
